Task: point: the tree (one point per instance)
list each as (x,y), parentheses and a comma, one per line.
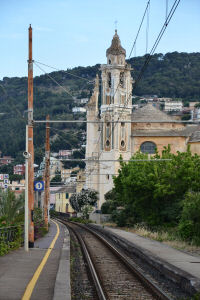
(152,191)
(87,197)
(189,225)
(10,206)
(57,179)
(197,105)
(15,177)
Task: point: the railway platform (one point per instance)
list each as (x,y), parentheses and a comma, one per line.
(37,274)
(181,266)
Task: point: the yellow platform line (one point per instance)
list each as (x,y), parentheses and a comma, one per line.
(32,283)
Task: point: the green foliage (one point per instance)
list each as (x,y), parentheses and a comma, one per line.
(86,210)
(186,117)
(197,105)
(152,191)
(10,206)
(111,202)
(7,169)
(5,245)
(39,226)
(189,226)
(56,180)
(15,177)
(86,197)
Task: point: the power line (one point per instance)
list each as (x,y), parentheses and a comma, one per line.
(149,57)
(166,12)
(147,27)
(112,121)
(80,151)
(117,160)
(89,81)
(139,28)
(55,81)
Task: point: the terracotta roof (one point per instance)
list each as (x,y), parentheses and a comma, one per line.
(67,189)
(149,113)
(187,131)
(195,137)
(116,48)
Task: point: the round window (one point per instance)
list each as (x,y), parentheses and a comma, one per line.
(148,147)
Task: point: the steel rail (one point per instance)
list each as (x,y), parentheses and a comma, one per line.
(149,285)
(154,289)
(99,290)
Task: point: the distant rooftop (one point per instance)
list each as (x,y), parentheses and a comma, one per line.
(188,131)
(149,113)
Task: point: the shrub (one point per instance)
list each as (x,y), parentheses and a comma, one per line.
(6,246)
(39,226)
(107,207)
(189,225)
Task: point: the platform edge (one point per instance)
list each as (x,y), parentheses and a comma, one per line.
(62,288)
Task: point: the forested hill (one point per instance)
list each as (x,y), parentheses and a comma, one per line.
(174,75)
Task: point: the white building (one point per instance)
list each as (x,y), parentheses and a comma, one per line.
(78,110)
(55,166)
(173,106)
(84,100)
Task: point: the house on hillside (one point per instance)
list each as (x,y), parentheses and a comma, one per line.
(6,160)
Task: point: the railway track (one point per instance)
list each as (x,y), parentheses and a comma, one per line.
(113,274)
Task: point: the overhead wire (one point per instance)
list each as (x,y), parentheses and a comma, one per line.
(166,11)
(147,27)
(55,81)
(139,28)
(149,56)
(54,68)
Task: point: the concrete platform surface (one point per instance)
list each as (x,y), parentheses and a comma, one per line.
(18,267)
(186,262)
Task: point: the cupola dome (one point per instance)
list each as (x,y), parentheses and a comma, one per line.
(116,48)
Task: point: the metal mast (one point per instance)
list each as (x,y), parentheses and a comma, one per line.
(47,175)
(30,143)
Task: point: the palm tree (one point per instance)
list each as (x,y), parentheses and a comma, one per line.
(10,206)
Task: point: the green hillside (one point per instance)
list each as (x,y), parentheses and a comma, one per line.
(171,75)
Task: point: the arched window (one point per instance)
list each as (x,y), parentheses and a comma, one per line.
(148,147)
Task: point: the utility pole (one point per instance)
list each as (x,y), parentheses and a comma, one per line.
(47,174)
(26,229)
(30,144)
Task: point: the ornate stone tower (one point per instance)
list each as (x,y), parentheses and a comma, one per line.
(116,107)
(93,139)
(113,137)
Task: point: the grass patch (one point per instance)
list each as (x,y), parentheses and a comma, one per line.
(169,238)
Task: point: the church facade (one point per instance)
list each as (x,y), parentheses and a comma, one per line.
(114,129)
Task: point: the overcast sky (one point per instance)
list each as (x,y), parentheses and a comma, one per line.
(69,33)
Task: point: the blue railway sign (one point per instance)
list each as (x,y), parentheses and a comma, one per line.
(38,185)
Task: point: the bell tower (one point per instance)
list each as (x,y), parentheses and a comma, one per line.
(116,108)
